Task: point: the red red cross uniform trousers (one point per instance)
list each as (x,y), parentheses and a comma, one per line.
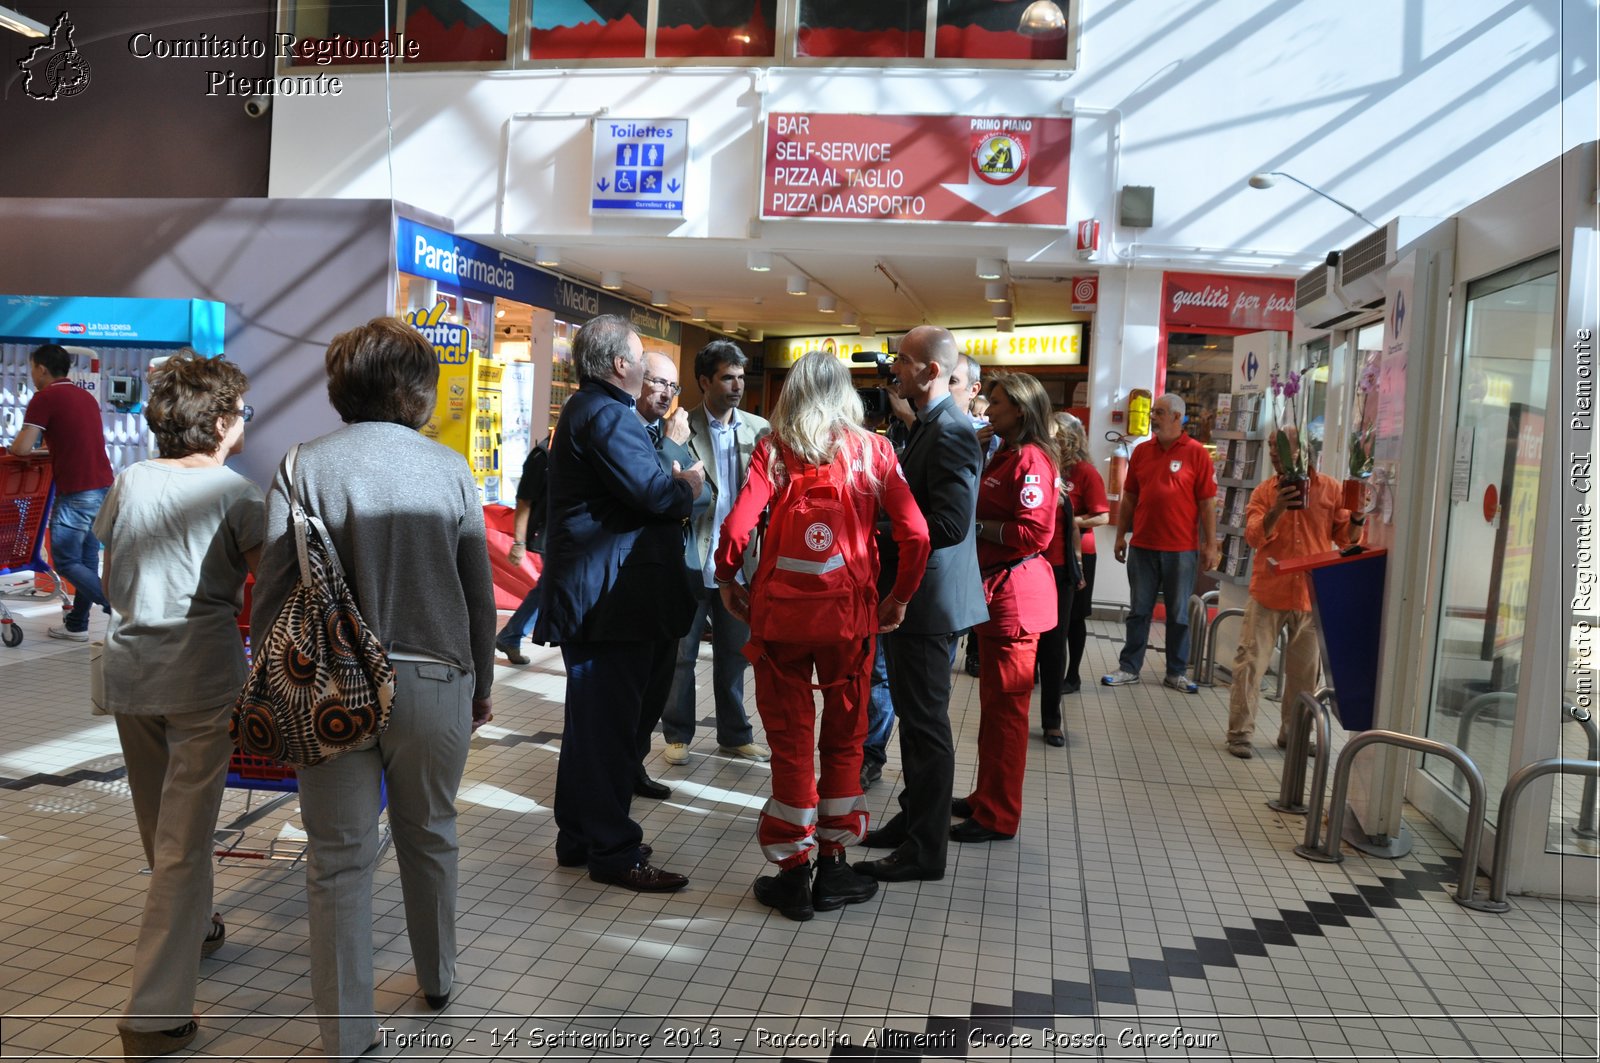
(1018,492)
(805,811)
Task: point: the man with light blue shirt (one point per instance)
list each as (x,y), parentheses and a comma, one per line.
(722,438)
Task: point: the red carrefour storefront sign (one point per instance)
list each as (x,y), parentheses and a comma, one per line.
(985,169)
(1217,300)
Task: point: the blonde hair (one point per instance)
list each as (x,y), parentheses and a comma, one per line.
(1074,440)
(818,415)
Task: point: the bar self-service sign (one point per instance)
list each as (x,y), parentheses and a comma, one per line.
(977,169)
(640,166)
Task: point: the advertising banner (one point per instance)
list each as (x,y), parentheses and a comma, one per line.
(1201,301)
(989,169)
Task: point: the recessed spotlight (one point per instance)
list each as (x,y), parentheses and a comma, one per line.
(989,269)
(995,291)
(827,304)
(759,261)
(500,313)
(611,280)
(798,284)
(545,255)
(660,299)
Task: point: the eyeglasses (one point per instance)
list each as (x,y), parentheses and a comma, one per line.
(665,385)
(246,412)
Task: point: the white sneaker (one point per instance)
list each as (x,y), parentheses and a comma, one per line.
(1181,682)
(676,753)
(749,751)
(1120,679)
(69,635)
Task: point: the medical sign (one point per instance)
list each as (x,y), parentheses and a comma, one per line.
(981,169)
(639,166)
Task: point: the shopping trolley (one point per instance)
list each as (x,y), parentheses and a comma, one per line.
(27,491)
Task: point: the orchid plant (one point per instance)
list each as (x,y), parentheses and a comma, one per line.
(1285,417)
(1362,439)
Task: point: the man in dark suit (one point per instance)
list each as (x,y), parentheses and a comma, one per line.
(942,461)
(660,391)
(614,598)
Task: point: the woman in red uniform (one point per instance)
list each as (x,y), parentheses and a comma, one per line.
(1083,508)
(813,605)
(1016,516)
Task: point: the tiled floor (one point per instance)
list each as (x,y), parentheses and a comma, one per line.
(1150,908)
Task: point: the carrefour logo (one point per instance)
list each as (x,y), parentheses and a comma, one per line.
(451,342)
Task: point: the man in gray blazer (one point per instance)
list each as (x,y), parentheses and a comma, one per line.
(942,461)
(723,438)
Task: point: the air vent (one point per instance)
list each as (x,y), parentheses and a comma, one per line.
(1364,265)
(1316,298)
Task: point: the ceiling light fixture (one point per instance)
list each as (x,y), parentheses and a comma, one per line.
(995,291)
(611,280)
(660,298)
(827,304)
(1265,180)
(867,328)
(698,313)
(545,255)
(990,269)
(847,316)
(500,313)
(798,284)
(20,23)
(1002,311)
(1003,325)
(1043,20)
(730,327)
(758,261)
(756,335)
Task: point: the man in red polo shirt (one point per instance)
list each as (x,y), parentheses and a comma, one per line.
(68,418)
(1169,504)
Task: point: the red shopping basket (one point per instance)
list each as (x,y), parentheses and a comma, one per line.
(27,488)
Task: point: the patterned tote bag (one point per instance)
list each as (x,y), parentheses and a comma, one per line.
(320,683)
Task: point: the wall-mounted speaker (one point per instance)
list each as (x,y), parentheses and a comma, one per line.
(1137,206)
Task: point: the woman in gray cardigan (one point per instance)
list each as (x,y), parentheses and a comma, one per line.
(403,514)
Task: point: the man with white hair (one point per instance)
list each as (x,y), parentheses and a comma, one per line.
(1169,508)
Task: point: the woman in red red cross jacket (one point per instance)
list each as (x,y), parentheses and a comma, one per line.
(1016,517)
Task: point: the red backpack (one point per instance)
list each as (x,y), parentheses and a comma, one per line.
(817,580)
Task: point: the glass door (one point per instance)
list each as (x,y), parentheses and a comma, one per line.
(1494,486)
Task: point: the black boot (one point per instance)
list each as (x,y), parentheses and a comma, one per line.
(837,885)
(972,656)
(789,891)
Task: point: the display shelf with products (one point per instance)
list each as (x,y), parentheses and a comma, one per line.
(1241,462)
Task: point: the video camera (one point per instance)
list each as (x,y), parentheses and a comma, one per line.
(874,401)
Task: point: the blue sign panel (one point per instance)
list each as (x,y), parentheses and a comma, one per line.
(462,265)
(639,165)
(196,323)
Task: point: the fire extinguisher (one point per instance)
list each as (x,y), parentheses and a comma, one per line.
(1118,465)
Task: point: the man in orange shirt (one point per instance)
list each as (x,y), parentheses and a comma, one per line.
(1280,600)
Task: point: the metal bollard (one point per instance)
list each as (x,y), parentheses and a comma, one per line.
(1508,799)
(1317,709)
(1329,852)
(1570,714)
(1206,672)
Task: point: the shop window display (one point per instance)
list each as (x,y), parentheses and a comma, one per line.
(445,31)
(983,29)
(885,29)
(1199,369)
(695,28)
(588,29)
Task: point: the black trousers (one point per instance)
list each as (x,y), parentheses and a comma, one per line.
(1053,649)
(919,683)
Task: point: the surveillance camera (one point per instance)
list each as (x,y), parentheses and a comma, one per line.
(257,106)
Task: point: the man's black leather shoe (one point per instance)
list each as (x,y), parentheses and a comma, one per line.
(644,877)
(895,868)
(960,808)
(973,831)
(884,838)
(645,852)
(644,786)
(437,1003)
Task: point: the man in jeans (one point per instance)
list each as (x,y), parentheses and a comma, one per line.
(1169,506)
(68,418)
